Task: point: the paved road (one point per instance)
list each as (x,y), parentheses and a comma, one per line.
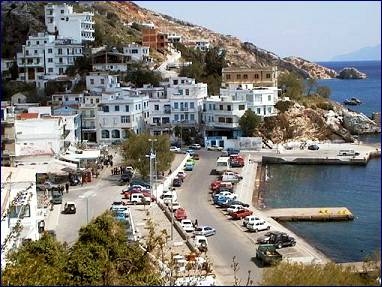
(229,241)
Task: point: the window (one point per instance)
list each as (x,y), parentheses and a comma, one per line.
(221,120)
(102,81)
(37,42)
(228,120)
(176,118)
(60,60)
(245,76)
(50,60)
(181,92)
(256,76)
(229,108)
(241,107)
(50,70)
(59,51)
(192,105)
(192,117)
(268,76)
(27,52)
(221,107)
(175,82)
(238,77)
(77,99)
(127,108)
(105,134)
(15,211)
(156,107)
(61,71)
(258,111)
(134,51)
(116,108)
(50,51)
(125,119)
(97,101)
(187,92)
(91,101)
(269,110)
(105,109)
(62,11)
(91,81)
(228,77)
(176,105)
(269,98)
(258,98)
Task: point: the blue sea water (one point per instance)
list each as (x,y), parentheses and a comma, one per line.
(355,187)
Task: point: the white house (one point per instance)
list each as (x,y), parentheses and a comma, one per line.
(18,205)
(60,18)
(137,52)
(202,45)
(67,99)
(101,82)
(89,109)
(44,57)
(119,112)
(72,124)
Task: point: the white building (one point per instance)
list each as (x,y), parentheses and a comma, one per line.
(89,109)
(62,20)
(119,112)
(137,52)
(174,38)
(72,123)
(36,135)
(18,204)
(202,45)
(67,99)
(43,57)
(102,82)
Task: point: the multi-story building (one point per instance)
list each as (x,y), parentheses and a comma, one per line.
(102,82)
(67,99)
(110,59)
(137,52)
(174,38)
(72,122)
(154,39)
(89,109)
(7,134)
(60,19)
(120,112)
(249,78)
(43,57)
(6,64)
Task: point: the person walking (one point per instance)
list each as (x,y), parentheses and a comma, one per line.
(67,187)
(196,223)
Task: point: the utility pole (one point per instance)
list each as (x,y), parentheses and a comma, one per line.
(172,222)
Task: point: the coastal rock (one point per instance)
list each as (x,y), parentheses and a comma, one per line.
(358,123)
(312,70)
(351,74)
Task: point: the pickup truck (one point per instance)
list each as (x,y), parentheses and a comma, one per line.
(241,214)
(268,255)
(280,240)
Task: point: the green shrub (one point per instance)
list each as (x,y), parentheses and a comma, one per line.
(325,106)
(283,106)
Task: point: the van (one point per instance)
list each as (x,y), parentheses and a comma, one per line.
(222,164)
(349,152)
(139,198)
(169,197)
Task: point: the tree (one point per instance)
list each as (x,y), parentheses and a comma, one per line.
(292,85)
(294,274)
(140,76)
(310,86)
(324,91)
(249,122)
(136,147)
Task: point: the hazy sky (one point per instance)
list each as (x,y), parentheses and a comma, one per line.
(316,31)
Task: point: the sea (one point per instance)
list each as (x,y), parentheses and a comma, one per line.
(355,187)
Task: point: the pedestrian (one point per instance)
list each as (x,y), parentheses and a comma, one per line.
(111,163)
(169,172)
(196,223)
(67,187)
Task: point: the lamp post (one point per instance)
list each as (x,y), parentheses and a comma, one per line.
(152,156)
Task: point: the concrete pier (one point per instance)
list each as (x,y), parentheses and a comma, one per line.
(310,214)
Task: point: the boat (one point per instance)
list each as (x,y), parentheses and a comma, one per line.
(352,102)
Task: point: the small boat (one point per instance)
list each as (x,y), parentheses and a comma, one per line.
(352,102)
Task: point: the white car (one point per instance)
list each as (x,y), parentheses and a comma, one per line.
(205,230)
(174,149)
(215,148)
(181,174)
(226,194)
(234,208)
(187,225)
(258,226)
(195,146)
(250,219)
(175,205)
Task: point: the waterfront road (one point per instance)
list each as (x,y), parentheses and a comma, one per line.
(230,241)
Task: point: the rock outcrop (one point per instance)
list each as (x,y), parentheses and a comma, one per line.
(358,123)
(312,70)
(351,74)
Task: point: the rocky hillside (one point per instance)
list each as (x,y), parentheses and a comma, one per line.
(111,21)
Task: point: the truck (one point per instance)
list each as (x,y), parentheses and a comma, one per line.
(268,255)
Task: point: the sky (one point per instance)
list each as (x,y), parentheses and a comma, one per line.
(316,31)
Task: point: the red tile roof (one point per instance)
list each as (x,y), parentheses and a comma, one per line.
(25,116)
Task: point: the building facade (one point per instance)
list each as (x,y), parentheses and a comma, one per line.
(137,52)
(61,20)
(154,39)
(249,78)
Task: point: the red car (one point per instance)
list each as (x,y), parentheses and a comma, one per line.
(241,214)
(180,214)
(127,194)
(236,160)
(215,185)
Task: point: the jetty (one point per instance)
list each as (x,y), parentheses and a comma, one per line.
(310,214)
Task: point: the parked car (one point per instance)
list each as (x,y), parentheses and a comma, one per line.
(232,202)
(174,149)
(215,148)
(231,177)
(141,182)
(205,230)
(181,174)
(69,208)
(176,182)
(233,208)
(280,240)
(259,225)
(187,225)
(190,160)
(225,194)
(232,151)
(201,243)
(348,153)
(195,156)
(180,214)
(126,177)
(313,147)
(268,255)
(264,239)
(240,214)
(174,206)
(217,185)
(56,197)
(224,154)
(139,198)
(250,219)
(195,146)
(127,194)
(190,152)
(188,167)
(236,161)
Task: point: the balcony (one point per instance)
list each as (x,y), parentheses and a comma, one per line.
(222,125)
(90,127)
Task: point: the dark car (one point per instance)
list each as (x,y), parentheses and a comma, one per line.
(69,208)
(195,156)
(141,182)
(280,240)
(177,182)
(126,177)
(233,151)
(313,147)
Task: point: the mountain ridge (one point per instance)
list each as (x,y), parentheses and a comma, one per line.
(371,53)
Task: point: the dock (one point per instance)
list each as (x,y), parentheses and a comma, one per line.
(310,214)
